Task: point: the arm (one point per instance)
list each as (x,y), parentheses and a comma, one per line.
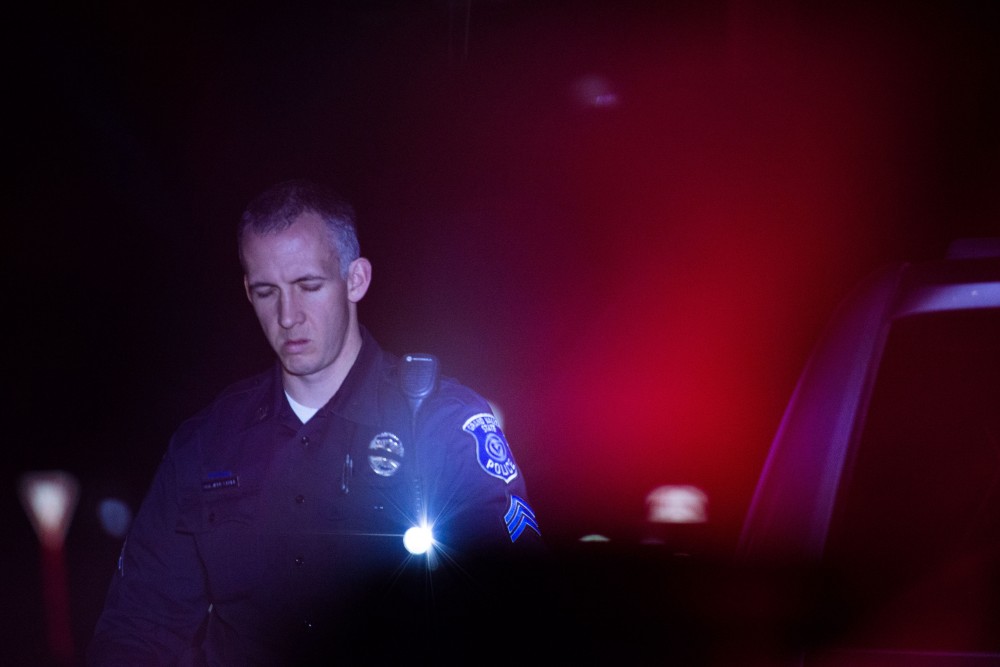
(157,599)
(478,493)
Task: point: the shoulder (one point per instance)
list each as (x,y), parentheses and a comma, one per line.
(454,395)
(460,411)
(240,404)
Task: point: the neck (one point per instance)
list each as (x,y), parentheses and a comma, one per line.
(316,389)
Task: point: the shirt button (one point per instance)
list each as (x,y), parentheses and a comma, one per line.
(299,560)
(299,499)
(305,441)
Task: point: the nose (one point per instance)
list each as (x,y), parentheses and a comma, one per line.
(289,310)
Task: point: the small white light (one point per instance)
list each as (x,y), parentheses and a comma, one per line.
(594,90)
(677,504)
(418,540)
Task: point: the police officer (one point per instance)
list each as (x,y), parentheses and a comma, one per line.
(273,529)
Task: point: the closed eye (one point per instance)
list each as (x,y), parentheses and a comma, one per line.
(311,285)
(263,292)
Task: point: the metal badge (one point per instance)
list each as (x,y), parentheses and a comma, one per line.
(385,454)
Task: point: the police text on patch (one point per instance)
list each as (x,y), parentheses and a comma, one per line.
(491,447)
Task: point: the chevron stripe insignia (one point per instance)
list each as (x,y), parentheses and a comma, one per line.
(518,517)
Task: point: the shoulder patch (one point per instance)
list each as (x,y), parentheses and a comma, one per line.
(491,447)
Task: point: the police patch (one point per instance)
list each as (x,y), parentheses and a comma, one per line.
(491,447)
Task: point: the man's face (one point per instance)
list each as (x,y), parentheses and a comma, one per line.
(306,309)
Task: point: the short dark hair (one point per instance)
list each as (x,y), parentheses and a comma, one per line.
(276,208)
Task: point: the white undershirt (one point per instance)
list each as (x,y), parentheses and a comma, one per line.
(304,413)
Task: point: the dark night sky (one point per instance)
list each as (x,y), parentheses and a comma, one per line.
(635,284)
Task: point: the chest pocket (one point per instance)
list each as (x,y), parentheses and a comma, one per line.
(231,509)
(234,508)
(380,485)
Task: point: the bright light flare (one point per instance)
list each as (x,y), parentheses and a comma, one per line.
(418,540)
(49,499)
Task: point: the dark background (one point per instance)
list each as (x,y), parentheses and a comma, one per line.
(625,223)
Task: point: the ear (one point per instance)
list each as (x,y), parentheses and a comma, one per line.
(246,288)
(359,277)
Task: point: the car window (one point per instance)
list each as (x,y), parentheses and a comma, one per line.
(914,541)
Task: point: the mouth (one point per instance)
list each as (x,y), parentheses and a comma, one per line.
(295,346)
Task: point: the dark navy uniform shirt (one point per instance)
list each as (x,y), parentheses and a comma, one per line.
(265,540)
